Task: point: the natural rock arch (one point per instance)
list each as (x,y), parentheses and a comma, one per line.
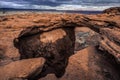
(32,25)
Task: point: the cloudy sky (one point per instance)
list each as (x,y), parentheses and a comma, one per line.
(60,4)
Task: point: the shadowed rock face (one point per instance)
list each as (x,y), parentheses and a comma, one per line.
(55,46)
(59,39)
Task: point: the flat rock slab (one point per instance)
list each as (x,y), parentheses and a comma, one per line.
(21,69)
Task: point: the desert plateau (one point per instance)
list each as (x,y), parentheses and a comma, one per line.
(60,46)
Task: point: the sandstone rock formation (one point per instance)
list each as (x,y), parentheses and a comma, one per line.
(21,69)
(85,37)
(59,39)
(115,10)
(87,64)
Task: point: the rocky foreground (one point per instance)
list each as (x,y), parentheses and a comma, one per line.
(60,46)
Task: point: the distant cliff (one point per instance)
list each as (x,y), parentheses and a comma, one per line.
(115,10)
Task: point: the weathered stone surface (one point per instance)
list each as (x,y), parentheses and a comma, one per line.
(87,64)
(50,45)
(115,10)
(112,48)
(111,34)
(52,36)
(85,37)
(21,69)
(49,22)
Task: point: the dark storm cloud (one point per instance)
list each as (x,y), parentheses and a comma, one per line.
(56,4)
(43,2)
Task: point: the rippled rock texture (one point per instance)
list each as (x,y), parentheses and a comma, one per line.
(54,47)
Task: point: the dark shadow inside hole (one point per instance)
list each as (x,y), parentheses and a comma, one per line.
(56,55)
(110,59)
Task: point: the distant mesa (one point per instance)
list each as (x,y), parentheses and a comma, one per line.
(115,10)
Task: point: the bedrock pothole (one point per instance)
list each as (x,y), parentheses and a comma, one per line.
(55,46)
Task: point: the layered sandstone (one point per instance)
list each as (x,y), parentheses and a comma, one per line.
(59,39)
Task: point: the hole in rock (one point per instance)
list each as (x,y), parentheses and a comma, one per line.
(85,37)
(56,46)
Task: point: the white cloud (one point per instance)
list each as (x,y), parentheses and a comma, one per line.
(81,7)
(71,6)
(10,4)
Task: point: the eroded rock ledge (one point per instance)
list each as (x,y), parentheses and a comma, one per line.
(56,37)
(112,10)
